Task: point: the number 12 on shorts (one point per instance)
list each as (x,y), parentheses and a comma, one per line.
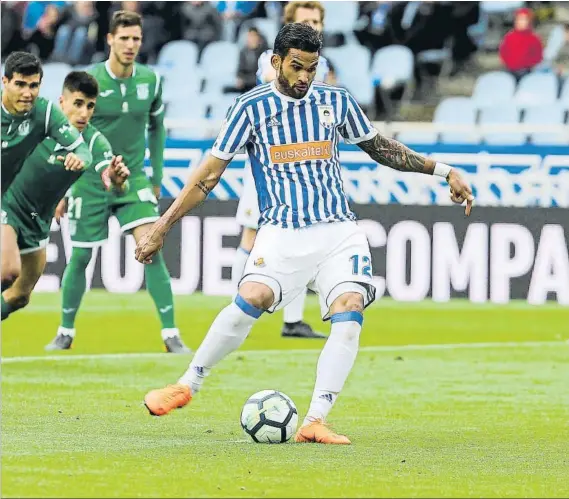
(364,268)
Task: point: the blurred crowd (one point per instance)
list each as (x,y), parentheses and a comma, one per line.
(74,32)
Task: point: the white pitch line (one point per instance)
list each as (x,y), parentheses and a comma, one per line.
(381,348)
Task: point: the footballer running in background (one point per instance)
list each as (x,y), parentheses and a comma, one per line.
(129,102)
(297,174)
(312,14)
(29,203)
(27,119)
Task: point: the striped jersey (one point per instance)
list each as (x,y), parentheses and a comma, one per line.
(293,149)
(322,69)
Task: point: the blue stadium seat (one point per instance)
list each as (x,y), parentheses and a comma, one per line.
(219,104)
(179,85)
(218,64)
(536,89)
(177,53)
(493,88)
(352,63)
(505,115)
(54,74)
(547,115)
(555,42)
(191,110)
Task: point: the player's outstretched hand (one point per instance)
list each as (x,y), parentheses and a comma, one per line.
(72,162)
(60,210)
(460,190)
(148,245)
(118,172)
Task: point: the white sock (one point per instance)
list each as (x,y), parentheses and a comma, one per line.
(238,266)
(170,332)
(225,335)
(66,331)
(335,363)
(294,311)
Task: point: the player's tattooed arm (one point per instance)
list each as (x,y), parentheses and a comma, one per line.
(394,154)
(201,182)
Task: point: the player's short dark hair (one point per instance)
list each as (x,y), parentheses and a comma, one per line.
(81,81)
(297,36)
(22,63)
(124,19)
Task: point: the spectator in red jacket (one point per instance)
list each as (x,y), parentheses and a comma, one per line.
(521,49)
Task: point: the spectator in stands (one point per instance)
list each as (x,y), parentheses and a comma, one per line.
(521,49)
(76,35)
(10,30)
(234,13)
(249,60)
(42,39)
(200,23)
(374,26)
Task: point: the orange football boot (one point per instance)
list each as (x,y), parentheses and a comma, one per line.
(160,402)
(319,432)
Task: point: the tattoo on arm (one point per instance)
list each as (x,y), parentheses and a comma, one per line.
(204,188)
(394,154)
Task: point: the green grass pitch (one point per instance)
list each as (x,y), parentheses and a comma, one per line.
(453,400)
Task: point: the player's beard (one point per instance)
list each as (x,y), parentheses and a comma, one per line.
(286,88)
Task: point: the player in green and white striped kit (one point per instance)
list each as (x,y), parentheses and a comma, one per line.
(29,203)
(129,103)
(26,121)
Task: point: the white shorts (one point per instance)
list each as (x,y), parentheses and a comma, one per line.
(248,209)
(329,258)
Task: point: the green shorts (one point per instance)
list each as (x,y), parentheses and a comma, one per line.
(89,211)
(32,233)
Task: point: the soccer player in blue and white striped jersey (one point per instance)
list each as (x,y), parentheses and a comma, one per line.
(312,13)
(308,235)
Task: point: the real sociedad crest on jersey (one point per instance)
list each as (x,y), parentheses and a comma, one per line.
(24,128)
(142,91)
(326,116)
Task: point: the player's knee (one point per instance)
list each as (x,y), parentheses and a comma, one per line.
(257,294)
(9,276)
(348,302)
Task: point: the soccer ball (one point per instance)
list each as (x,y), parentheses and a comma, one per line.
(269,417)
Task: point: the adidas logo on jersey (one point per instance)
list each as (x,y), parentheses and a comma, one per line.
(273,122)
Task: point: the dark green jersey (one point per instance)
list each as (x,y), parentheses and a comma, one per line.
(43,181)
(21,134)
(125,108)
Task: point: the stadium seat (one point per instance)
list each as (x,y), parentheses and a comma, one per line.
(351,63)
(190,112)
(392,66)
(493,88)
(219,63)
(564,97)
(536,89)
(547,115)
(555,42)
(267,27)
(457,111)
(180,85)
(177,53)
(54,74)
(502,115)
(219,104)
(341,17)
(500,7)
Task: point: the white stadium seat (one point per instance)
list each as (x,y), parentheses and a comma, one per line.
(536,89)
(457,111)
(506,115)
(392,66)
(564,97)
(218,64)
(177,53)
(547,115)
(493,88)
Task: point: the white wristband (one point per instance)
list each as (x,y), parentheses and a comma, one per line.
(441,170)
